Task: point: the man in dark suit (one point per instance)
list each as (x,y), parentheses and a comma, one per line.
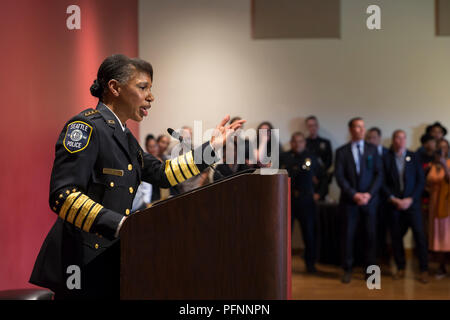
(358,171)
(373,136)
(404,182)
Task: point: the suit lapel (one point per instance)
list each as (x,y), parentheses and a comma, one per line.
(394,170)
(352,161)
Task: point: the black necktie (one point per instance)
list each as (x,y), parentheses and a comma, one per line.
(360,158)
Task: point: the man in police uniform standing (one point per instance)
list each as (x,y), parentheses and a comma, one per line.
(302,167)
(321,148)
(97,168)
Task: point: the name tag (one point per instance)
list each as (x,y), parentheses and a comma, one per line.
(114,172)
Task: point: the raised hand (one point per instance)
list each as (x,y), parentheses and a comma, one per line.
(223,132)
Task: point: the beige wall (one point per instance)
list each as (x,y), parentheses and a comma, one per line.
(207,65)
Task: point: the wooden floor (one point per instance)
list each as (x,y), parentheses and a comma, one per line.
(326,284)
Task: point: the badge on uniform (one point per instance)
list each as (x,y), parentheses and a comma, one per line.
(307,164)
(322,146)
(77,137)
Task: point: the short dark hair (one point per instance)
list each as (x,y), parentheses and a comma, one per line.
(350,123)
(297,134)
(160,137)
(396,132)
(425,138)
(148,138)
(311,118)
(444,140)
(120,68)
(376,129)
(265,123)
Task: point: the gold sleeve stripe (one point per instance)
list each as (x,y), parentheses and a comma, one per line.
(84,210)
(182,162)
(91,217)
(169,174)
(75,207)
(176,170)
(191,163)
(70,199)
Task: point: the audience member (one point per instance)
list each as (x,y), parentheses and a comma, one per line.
(264,143)
(426,155)
(426,151)
(358,171)
(403,185)
(373,136)
(439,213)
(302,166)
(145,194)
(436,130)
(321,148)
(152,147)
(163,144)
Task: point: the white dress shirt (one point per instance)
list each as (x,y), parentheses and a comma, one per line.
(120,122)
(380,150)
(356,154)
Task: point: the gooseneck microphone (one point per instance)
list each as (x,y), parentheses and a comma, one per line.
(177,136)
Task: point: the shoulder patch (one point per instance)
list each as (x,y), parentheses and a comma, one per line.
(78,135)
(90,113)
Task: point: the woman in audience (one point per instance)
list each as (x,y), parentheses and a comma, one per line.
(264,144)
(145,193)
(163,143)
(439,213)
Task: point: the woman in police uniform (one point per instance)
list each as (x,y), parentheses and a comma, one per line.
(97,168)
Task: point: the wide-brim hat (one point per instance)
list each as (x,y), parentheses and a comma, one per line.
(436,124)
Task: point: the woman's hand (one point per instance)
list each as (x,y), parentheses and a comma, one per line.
(223,132)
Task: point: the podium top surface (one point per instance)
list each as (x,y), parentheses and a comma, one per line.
(251,171)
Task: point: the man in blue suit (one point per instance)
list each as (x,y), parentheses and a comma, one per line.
(373,136)
(358,171)
(404,183)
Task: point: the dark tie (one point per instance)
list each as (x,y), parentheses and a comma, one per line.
(360,158)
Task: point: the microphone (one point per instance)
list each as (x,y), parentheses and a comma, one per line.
(177,136)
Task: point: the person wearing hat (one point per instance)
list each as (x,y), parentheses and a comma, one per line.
(436,130)
(427,149)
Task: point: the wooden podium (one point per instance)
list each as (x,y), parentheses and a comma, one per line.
(227,240)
